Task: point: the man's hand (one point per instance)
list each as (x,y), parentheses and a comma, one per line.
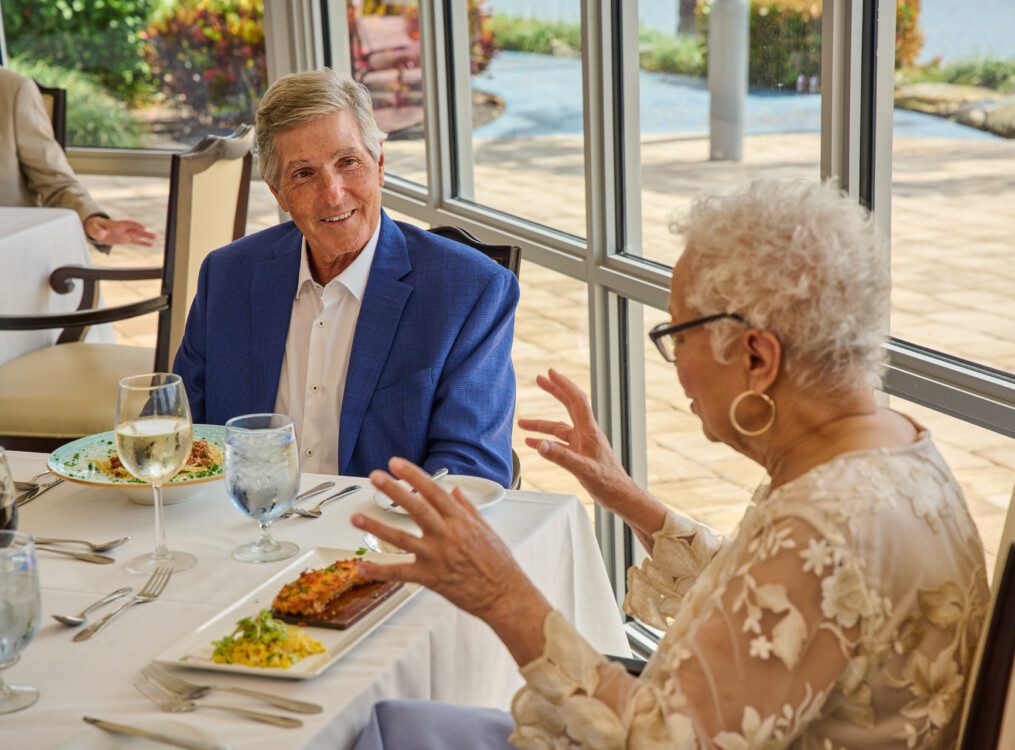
(111,232)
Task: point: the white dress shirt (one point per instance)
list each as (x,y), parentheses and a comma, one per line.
(316,361)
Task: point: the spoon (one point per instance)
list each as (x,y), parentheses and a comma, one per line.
(315,512)
(93,547)
(86,556)
(74,620)
(379,545)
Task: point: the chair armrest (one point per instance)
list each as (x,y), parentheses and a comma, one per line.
(60,279)
(82,318)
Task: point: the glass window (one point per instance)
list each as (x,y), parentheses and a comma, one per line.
(982,461)
(143,73)
(384,43)
(687,148)
(952,186)
(522,149)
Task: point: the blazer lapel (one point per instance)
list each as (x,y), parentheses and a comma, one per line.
(272,291)
(379,316)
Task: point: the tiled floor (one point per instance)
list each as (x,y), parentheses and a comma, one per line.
(952,288)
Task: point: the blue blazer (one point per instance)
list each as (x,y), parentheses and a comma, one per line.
(430,376)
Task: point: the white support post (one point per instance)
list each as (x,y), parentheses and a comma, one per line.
(728,37)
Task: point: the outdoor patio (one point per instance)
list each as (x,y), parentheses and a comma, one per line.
(951,290)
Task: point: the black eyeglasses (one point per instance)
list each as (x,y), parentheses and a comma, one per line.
(660,333)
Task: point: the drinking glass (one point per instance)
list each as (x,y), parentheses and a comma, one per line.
(20,611)
(8,508)
(262,478)
(153,439)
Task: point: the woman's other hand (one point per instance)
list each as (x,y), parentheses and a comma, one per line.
(113,232)
(460,557)
(583,450)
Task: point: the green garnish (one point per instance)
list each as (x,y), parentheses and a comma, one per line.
(260,629)
(361,551)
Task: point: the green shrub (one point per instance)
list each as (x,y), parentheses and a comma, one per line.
(529,35)
(100,37)
(94,117)
(209,57)
(672,54)
(989,72)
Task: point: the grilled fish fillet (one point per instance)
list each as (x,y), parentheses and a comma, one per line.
(314,590)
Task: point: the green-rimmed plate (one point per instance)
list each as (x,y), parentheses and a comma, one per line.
(73,463)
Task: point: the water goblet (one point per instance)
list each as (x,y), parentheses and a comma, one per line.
(20,612)
(262,478)
(8,504)
(153,438)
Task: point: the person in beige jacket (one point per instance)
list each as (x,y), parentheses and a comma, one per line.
(35,172)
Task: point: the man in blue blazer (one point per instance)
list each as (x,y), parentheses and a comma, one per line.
(377,337)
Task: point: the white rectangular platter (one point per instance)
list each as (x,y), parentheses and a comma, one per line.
(195,649)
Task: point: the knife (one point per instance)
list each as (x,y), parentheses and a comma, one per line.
(167,739)
(86,556)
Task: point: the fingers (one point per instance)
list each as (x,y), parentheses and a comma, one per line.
(415,504)
(403,539)
(405,572)
(423,484)
(560,430)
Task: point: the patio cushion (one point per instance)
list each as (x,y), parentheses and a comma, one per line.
(66,391)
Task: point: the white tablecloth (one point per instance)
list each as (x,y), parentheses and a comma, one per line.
(427,650)
(34,242)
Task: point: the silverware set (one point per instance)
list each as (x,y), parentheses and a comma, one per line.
(192,691)
(32,489)
(315,512)
(151,591)
(149,684)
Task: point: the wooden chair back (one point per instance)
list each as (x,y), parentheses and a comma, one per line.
(209,188)
(55,101)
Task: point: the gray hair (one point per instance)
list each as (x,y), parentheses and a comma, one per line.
(797,258)
(300,97)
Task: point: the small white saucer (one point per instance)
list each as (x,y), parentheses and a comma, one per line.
(481,492)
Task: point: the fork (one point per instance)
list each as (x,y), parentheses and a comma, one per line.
(190,691)
(154,692)
(151,591)
(315,512)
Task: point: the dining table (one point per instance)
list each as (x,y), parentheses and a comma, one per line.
(34,242)
(427,649)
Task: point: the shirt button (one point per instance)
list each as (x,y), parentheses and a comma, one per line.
(320,324)
(315,388)
(309,452)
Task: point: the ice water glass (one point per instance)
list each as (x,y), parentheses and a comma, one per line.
(8,507)
(262,478)
(20,610)
(153,438)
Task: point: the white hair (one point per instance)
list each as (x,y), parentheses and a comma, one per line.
(300,97)
(796,258)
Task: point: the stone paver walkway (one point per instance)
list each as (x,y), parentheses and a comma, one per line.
(952,275)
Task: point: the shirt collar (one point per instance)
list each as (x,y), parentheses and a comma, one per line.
(354,278)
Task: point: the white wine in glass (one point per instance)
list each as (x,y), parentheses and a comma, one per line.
(153,438)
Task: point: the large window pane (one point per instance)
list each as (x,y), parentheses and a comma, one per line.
(384,42)
(523,149)
(982,461)
(683,151)
(953,183)
(143,73)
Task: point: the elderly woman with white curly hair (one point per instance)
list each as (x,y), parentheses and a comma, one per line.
(845,610)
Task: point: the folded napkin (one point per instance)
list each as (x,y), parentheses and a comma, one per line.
(423,725)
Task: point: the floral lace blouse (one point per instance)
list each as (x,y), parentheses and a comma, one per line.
(844,613)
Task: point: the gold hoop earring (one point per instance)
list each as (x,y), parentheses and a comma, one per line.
(733,414)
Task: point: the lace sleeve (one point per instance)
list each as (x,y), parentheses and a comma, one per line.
(682,548)
(748,663)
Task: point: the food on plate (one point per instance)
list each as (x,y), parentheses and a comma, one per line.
(315,590)
(263,641)
(205,460)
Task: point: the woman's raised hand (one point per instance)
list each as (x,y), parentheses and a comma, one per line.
(458,556)
(582,448)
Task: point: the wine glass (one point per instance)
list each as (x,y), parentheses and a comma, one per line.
(8,507)
(262,478)
(20,612)
(153,439)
